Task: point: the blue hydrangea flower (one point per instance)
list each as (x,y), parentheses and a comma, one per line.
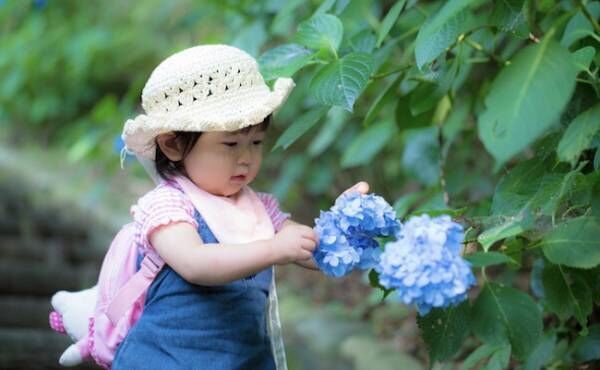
(367,215)
(334,256)
(424,265)
(347,232)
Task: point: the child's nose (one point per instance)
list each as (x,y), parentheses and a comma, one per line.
(245,154)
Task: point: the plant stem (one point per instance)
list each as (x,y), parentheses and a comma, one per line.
(385,74)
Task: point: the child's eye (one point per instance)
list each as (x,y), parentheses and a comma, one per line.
(257,142)
(231,144)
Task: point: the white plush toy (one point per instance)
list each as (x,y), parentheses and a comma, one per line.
(71,315)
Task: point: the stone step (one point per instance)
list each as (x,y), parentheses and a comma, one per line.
(39,279)
(33,349)
(24,312)
(51,250)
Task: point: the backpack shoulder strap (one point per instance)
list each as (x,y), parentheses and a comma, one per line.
(135,287)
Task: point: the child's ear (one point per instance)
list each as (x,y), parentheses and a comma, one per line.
(169,146)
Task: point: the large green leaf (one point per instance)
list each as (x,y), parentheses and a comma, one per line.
(574,243)
(283,61)
(526,99)
(517,188)
(444,330)
(442,30)
(510,226)
(300,127)
(503,314)
(579,26)
(368,143)
(389,20)
(566,294)
(421,156)
(579,135)
(342,81)
(323,31)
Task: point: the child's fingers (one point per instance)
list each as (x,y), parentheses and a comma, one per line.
(361,187)
(308,244)
(304,255)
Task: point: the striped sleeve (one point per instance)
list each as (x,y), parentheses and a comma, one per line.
(272,206)
(160,207)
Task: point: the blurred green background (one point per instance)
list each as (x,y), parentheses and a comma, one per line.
(72,72)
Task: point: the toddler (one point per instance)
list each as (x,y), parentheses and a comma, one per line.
(207,112)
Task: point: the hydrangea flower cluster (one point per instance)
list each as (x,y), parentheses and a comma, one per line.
(347,233)
(424,265)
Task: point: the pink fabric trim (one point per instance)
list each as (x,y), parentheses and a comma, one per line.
(272,206)
(56,322)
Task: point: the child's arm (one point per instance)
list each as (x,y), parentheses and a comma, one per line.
(179,245)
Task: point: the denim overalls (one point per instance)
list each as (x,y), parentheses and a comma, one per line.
(187,326)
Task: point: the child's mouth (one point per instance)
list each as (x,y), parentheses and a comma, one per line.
(238,178)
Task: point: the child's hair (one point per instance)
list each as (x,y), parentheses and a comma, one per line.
(168,169)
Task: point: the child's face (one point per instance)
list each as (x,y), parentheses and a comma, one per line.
(223,162)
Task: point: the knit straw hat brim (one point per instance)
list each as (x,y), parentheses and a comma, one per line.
(237,112)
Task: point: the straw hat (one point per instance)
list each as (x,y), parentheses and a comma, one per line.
(203,88)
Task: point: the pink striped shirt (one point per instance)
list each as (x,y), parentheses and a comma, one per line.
(166,204)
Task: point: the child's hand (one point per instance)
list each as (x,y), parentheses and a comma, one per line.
(294,242)
(362,187)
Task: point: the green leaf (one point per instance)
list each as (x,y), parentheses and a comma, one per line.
(441,30)
(368,143)
(583,57)
(323,31)
(542,354)
(283,61)
(300,127)
(481,259)
(500,359)
(566,294)
(405,117)
(374,282)
(516,189)
(424,98)
(444,330)
(387,94)
(508,16)
(526,99)
(421,156)
(389,20)
(404,203)
(503,314)
(578,136)
(511,226)
(579,26)
(336,117)
(363,41)
(588,348)
(341,82)
(574,243)
(479,354)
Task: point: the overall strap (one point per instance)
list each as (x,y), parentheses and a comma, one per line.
(135,287)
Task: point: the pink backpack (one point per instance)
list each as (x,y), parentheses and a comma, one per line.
(99,318)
